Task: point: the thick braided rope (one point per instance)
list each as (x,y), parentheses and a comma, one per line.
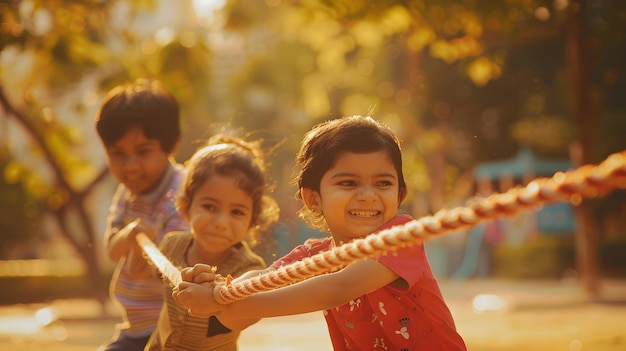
(161,262)
(587,181)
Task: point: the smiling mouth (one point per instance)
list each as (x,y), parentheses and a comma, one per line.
(364,214)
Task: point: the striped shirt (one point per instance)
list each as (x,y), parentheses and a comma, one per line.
(177,330)
(141,300)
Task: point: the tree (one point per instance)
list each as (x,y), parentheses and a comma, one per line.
(454,68)
(55,47)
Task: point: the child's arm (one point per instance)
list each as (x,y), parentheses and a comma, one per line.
(244,323)
(137,265)
(119,241)
(115,242)
(203,273)
(126,239)
(251,274)
(314,294)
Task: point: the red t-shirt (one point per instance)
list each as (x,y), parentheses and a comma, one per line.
(390,318)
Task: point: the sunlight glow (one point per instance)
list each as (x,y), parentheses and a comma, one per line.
(19,325)
(561,4)
(204,9)
(42,268)
(489,302)
(45,316)
(542,13)
(164,36)
(575,345)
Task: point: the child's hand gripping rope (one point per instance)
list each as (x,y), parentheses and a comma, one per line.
(202,277)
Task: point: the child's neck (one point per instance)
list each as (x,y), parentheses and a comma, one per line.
(193,256)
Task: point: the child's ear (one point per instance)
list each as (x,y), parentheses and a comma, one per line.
(401,196)
(311,199)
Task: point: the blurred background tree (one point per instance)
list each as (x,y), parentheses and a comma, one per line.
(461,81)
(58,58)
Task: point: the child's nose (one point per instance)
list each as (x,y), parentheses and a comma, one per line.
(367,192)
(220,219)
(131,161)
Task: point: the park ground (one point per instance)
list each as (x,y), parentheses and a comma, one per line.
(491,315)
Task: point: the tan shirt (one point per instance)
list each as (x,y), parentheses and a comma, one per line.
(176,330)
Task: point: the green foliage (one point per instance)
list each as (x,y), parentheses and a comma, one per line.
(19,220)
(553,257)
(548,257)
(59,58)
(465,76)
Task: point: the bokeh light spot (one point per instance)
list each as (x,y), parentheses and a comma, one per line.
(489,303)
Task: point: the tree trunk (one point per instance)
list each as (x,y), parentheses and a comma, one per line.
(84,241)
(578,63)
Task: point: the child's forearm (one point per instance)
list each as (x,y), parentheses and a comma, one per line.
(316,293)
(251,274)
(116,244)
(137,266)
(233,322)
(118,241)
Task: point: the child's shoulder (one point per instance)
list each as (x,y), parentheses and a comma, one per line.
(243,249)
(174,239)
(178,171)
(310,247)
(244,255)
(178,167)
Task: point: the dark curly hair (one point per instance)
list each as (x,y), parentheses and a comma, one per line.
(233,157)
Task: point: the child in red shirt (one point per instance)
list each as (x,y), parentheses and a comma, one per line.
(351,184)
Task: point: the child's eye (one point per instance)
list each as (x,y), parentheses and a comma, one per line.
(384,183)
(238,213)
(347,183)
(209,207)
